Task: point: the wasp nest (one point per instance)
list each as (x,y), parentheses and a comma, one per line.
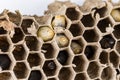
(70,42)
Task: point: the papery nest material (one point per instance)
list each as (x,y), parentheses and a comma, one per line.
(6,23)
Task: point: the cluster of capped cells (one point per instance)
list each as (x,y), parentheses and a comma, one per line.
(70,42)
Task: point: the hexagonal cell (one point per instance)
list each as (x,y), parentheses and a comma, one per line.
(76,29)
(118,46)
(107,74)
(101,11)
(81,76)
(5,76)
(34,59)
(35,75)
(116,31)
(63,57)
(91,35)
(104,57)
(62,40)
(80,63)
(59,21)
(90,52)
(46,33)
(19,52)
(5,62)
(93,70)
(4,42)
(32,43)
(20,70)
(114,59)
(2,31)
(107,42)
(18,36)
(88,20)
(15,17)
(115,14)
(50,68)
(103,24)
(77,46)
(65,74)
(48,50)
(26,23)
(72,13)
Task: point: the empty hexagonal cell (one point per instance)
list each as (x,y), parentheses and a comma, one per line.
(26,23)
(115,14)
(101,11)
(114,58)
(104,57)
(81,76)
(2,31)
(65,74)
(19,52)
(62,40)
(50,68)
(5,76)
(34,59)
(18,36)
(103,24)
(118,47)
(48,50)
(88,20)
(15,17)
(20,70)
(116,31)
(107,74)
(4,44)
(80,63)
(5,62)
(72,13)
(63,57)
(77,46)
(35,75)
(76,29)
(32,43)
(91,35)
(90,52)
(107,42)
(93,70)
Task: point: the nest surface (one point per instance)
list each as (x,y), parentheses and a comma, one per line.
(70,42)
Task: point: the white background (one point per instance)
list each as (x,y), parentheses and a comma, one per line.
(30,7)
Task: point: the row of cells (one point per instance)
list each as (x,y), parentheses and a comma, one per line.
(77,45)
(64,58)
(75,29)
(94,70)
(62,40)
(49,50)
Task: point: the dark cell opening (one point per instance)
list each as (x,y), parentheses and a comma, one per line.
(18,36)
(72,14)
(35,75)
(107,42)
(5,62)
(49,68)
(88,20)
(63,57)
